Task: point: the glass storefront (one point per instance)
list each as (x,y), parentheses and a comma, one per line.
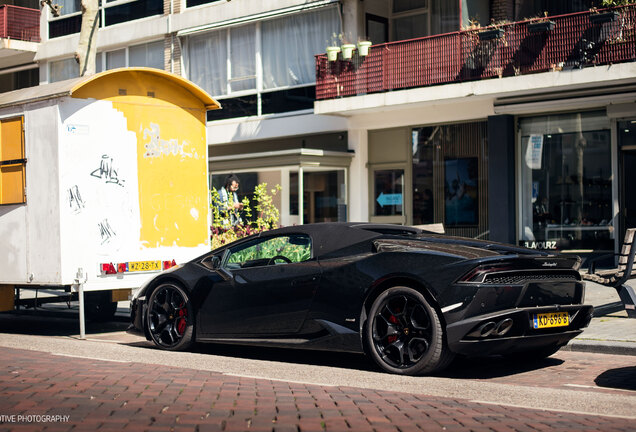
(566,183)
(388,186)
(450,175)
(324,196)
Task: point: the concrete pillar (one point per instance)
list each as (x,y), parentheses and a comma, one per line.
(352,20)
(501,179)
(358,176)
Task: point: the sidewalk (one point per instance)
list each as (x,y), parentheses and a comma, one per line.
(610,331)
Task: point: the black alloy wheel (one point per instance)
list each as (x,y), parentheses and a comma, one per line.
(405,334)
(170,320)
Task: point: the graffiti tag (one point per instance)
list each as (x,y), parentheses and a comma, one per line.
(158,147)
(107,172)
(75,201)
(106,231)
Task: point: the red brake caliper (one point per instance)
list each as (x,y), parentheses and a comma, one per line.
(181,323)
(393,320)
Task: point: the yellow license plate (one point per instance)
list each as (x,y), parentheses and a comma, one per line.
(137,266)
(552,319)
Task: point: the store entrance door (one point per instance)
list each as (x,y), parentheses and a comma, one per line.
(627,159)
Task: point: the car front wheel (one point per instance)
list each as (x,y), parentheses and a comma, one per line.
(404,333)
(169,318)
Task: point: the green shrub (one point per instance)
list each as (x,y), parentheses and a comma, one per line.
(263,216)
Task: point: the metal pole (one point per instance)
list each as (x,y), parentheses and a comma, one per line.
(301,203)
(80,282)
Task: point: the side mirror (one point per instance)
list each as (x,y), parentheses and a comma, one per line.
(212,262)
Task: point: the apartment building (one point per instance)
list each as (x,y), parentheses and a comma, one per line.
(501,119)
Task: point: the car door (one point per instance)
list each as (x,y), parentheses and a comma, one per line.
(267,289)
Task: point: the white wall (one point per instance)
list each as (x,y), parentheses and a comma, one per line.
(241,129)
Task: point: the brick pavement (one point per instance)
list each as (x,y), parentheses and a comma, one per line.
(113,396)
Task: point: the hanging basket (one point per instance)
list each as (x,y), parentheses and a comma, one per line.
(347,51)
(363,48)
(332,53)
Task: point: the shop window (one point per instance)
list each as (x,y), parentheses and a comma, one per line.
(566,182)
(388,186)
(247,183)
(449,178)
(12,162)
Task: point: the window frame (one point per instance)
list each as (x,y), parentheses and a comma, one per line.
(225,261)
(258,90)
(101,57)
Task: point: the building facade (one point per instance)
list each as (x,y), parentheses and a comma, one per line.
(508,120)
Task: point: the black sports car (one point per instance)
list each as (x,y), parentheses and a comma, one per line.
(408,298)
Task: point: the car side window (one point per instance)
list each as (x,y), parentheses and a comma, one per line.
(275,250)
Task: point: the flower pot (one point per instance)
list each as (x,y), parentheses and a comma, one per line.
(332,53)
(604,17)
(347,51)
(540,27)
(363,48)
(496,33)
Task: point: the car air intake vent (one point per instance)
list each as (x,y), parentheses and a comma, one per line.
(520,278)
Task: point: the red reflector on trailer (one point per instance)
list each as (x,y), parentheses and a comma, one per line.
(108,268)
(168,264)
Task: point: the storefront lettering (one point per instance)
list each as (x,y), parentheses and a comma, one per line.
(552,245)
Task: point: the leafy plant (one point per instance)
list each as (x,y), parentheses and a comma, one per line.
(262,216)
(611,3)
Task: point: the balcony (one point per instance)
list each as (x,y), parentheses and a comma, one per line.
(19,23)
(571,41)
(19,35)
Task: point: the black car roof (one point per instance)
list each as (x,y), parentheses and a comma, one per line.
(329,237)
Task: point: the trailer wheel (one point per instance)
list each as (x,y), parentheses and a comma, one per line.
(170,318)
(99,306)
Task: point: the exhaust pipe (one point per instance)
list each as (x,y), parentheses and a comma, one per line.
(503,327)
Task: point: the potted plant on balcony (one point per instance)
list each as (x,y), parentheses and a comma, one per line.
(541,25)
(347,50)
(493,31)
(597,17)
(333,47)
(603,17)
(363,47)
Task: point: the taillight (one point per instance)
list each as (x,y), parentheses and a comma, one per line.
(108,268)
(478,273)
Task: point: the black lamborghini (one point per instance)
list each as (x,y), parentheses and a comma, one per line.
(409,299)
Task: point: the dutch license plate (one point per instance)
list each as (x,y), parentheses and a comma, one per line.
(136,266)
(552,319)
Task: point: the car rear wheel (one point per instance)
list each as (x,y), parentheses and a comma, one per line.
(169,318)
(404,333)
